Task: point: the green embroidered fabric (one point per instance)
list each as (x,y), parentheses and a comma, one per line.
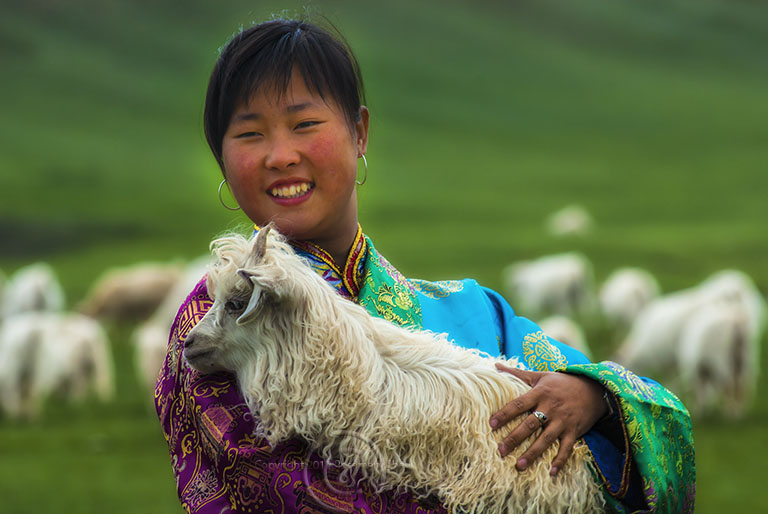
(386,293)
(659,433)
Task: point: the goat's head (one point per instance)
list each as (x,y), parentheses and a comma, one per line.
(247,280)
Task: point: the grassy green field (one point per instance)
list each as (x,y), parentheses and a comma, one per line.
(485,118)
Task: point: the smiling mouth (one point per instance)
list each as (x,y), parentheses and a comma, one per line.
(292,191)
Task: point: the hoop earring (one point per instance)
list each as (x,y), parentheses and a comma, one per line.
(365,177)
(222,201)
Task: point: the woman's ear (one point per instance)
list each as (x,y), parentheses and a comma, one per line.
(361,131)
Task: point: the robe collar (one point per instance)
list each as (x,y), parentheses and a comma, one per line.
(368,279)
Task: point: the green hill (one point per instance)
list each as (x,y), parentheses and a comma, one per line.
(486,117)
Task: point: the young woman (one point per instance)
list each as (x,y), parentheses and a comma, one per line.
(285,120)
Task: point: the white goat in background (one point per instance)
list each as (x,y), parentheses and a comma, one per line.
(150,338)
(718,359)
(46,354)
(625,293)
(653,345)
(130,293)
(571,220)
(407,409)
(554,284)
(3,280)
(32,288)
(566,331)
(738,288)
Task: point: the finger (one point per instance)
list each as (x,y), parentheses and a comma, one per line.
(513,409)
(521,432)
(546,439)
(567,443)
(529,377)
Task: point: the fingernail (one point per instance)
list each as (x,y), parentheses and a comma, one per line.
(494,422)
(502,449)
(522,464)
(553,471)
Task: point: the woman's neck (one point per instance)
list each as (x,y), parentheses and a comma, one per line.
(335,247)
(338,247)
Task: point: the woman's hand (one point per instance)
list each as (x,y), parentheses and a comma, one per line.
(572,404)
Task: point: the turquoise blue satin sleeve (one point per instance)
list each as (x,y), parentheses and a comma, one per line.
(522,338)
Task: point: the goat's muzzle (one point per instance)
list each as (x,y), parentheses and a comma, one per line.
(199,355)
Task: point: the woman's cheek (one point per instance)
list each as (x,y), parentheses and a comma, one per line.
(332,155)
(322,148)
(238,161)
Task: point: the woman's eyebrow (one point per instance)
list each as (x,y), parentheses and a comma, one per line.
(298,107)
(247,116)
(253,116)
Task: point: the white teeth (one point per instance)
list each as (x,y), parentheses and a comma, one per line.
(291,191)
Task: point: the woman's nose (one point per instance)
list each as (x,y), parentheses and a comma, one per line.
(281,154)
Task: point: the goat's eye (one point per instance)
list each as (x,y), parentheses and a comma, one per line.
(235,305)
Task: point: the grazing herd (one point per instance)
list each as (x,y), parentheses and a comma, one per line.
(50,353)
(702,342)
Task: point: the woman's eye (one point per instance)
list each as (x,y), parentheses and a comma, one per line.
(307,124)
(235,305)
(247,134)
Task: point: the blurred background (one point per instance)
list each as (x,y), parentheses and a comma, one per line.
(487,117)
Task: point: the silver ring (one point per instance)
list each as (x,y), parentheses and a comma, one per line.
(540,416)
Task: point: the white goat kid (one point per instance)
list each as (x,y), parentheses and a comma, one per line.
(406,409)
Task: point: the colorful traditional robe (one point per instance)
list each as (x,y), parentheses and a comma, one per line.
(643,456)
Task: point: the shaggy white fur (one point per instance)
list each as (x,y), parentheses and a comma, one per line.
(406,409)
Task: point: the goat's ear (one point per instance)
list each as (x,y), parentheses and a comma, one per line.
(259,246)
(253,303)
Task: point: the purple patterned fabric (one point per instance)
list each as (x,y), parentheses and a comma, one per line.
(220,467)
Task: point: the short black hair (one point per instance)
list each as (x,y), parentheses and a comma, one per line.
(265,55)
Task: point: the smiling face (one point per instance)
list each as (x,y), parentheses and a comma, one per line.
(292,159)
